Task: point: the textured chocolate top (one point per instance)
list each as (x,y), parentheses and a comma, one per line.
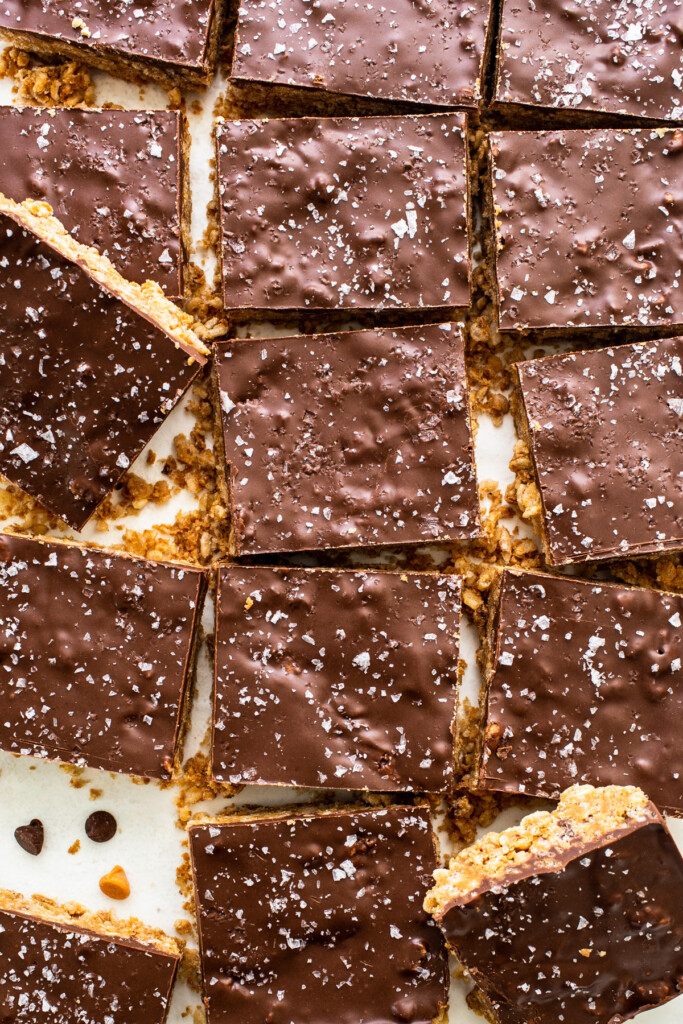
(366,663)
(585,685)
(112,177)
(319,919)
(170,31)
(94,655)
(363,213)
(344,439)
(594,943)
(413,52)
(590,228)
(618,57)
(61,974)
(84,381)
(606,432)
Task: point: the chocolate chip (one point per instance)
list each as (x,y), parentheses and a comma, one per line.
(100,826)
(31,837)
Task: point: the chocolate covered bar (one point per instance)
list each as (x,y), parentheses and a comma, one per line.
(365,662)
(344,213)
(318,917)
(411,53)
(90,363)
(347,439)
(573,917)
(590,57)
(59,966)
(95,655)
(583,684)
(589,229)
(605,434)
(114,178)
(174,43)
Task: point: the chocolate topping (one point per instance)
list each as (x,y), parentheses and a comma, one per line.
(363,213)
(593,55)
(319,919)
(112,177)
(59,974)
(100,826)
(31,837)
(84,380)
(594,943)
(171,31)
(584,684)
(94,655)
(606,438)
(414,52)
(589,227)
(335,678)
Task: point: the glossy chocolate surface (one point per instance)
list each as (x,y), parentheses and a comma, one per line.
(606,431)
(593,55)
(84,381)
(60,974)
(319,919)
(589,228)
(168,31)
(364,663)
(585,685)
(594,943)
(412,52)
(112,177)
(94,655)
(345,439)
(358,213)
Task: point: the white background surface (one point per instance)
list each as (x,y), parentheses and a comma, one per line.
(149,845)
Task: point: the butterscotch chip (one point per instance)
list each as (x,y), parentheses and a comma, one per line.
(115,885)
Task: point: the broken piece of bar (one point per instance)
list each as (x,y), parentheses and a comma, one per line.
(412,53)
(175,44)
(96,652)
(91,364)
(589,58)
(574,917)
(583,683)
(589,229)
(347,439)
(365,662)
(60,965)
(365,213)
(605,433)
(114,178)
(318,917)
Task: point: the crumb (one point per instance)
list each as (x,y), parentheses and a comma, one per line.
(75,847)
(95,794)
(59,83)
(190,970)
(195,784)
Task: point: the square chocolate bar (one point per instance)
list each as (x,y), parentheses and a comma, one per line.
(319,917)
(340,440)
(589,228)
(363,213)
(583,683)
(604,430)
(365,663)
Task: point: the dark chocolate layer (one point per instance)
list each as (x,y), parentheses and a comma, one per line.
(365,664)
(84,381)
(319,919)
(112,177)
(421,53)
(95,653)
(59,974)
(606,433)
(594,943)
(347,439)
(362,213)
(593,55)
(584,685)
(589,228)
